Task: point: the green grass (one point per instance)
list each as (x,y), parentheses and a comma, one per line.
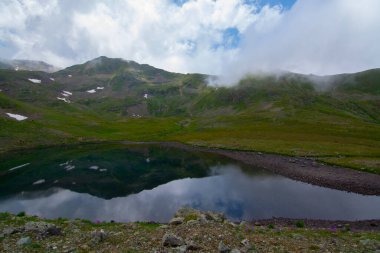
(285,115)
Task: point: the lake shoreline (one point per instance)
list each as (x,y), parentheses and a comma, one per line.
(305,169)
(210,233)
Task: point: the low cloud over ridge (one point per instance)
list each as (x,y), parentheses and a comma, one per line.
(225,37)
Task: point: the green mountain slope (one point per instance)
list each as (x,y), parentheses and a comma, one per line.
(335,118)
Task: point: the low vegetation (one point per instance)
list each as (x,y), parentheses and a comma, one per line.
(337,122)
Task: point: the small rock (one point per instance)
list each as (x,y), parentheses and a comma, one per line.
(98,236)
(181,249)
(235,251)
(192,222)
(222,248)
(191,245)
(176,221)
(24,241)
(217,217)
(10,230)
(172,240)
(42,228)
(246,245)
(243,223)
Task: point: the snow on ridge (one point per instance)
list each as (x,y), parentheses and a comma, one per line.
(34,80)
(67,92)
(64,100)
(41,181)
(18,167)
(91,91)
(16,116)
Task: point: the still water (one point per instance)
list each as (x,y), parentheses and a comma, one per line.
(150,182)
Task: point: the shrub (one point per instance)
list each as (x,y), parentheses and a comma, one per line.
(300,224)
(21,214)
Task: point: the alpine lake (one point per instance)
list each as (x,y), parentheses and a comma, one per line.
(146,182)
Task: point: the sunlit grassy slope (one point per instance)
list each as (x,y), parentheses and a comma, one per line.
(336,120)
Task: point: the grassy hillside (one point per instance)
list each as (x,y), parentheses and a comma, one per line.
(335,118)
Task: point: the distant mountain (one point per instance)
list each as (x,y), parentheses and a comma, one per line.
(116,99)
(27,65)
(131,89)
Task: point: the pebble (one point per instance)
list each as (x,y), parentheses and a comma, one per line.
(222,248)
(170,240)
(24,241)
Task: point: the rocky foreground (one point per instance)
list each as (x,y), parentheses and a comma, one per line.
(189,231)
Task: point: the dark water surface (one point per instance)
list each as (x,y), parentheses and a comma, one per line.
(149,183)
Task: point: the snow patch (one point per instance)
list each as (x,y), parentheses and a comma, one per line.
(20,166)
(52,79)
(67,92)
(69,167)
(64,100)
(16,116)
(34,80)
(41,181)
(100,88)
(65,95)
(94,167)
(91,91)
(103,170)
(70,76)
(146,96)
(65,163)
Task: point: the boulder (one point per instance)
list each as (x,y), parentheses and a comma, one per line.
(176,221)
(24,241)
(98,235)
(222,248)
(170,240)
(42,228)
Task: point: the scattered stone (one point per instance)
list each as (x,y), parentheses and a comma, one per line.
(222,248)
(24,241)
(170,240)
(10,230)
(192,222)
(217,217)
(42,228)
(191,245)
(176,221)
(98,235)
(246,243)
(181,249)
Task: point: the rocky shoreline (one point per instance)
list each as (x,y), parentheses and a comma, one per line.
(190,230)
(305,169)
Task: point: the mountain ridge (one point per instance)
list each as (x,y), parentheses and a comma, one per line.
(114,99)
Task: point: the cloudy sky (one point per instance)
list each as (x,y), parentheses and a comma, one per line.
(228,37)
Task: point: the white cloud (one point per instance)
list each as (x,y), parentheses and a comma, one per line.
(318,36)
(158,32)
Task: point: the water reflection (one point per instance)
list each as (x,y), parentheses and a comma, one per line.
(174,178)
